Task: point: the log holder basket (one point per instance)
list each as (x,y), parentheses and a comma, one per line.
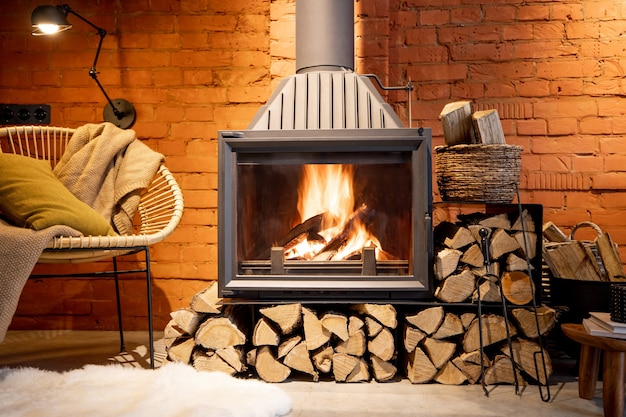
(539,356)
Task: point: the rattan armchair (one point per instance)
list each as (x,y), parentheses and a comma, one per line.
(159,212)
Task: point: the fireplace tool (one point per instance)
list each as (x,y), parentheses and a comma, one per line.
(484,235)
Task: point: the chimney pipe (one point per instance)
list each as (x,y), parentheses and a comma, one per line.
(324,35)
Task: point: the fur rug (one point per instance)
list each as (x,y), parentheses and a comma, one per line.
(174,390)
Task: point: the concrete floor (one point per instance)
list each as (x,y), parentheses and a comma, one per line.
(64,350)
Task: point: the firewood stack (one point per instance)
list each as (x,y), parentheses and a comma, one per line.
(351,342)
(444,346)
(209,336)
(460,270)
(346,343)
(587,260)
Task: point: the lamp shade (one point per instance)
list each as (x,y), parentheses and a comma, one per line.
(47,20)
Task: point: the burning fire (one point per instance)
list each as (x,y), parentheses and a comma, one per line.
(330,228)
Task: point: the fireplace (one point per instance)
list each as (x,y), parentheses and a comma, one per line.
(260,173)
(326,194)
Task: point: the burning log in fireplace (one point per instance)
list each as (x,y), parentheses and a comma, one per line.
(347,244)
(331,228)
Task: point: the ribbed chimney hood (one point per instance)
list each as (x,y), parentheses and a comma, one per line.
(325,93)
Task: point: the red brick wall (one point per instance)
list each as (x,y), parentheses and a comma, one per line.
(192,67)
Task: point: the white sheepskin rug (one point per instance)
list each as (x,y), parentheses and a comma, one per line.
(115,391)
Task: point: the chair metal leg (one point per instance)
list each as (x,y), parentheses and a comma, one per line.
(149,295)
(119,305)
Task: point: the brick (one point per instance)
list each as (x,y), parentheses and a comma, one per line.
(609,181)
(139,78)
(548,199)
(612,107)
(566,88)
(555,163)
(565,145)
(577,199)
(596,126)
(600,10)
(434,17)
(422,54)
(505,89)
(518,32)
(499,13)
(562,126)
(533,12)
(468,14)
(534,88)
(532,127)
(565,108)
(615,163)
(485,51)
(77,307)
(134,40)
(201,199)
(485,34)
(566,217)
(543,50)
(199,23)
(548,30)
(164,40)
(437,72)
(530,162)
(614,200)
(168,77)
(453,34)
(587,163)
(434,92)
(569,69)
(582,30)
(464,90)
(607,217)
(566,11)
(600,87)
(612,145)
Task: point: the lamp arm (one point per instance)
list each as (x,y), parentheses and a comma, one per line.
(93,73)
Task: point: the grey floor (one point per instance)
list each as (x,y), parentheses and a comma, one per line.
(64,350)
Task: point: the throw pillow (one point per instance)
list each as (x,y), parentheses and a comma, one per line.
(32,196)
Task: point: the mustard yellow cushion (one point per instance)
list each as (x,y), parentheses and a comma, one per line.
(32,196)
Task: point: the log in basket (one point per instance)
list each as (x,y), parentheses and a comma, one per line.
(478,172)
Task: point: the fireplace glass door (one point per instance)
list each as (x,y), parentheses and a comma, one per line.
(338,213)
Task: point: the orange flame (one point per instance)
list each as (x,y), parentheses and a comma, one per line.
(328,189)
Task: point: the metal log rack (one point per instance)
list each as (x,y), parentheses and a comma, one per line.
(539,356)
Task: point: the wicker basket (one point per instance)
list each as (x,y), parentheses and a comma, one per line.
(478,173)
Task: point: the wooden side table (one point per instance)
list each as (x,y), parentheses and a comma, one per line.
(613,370)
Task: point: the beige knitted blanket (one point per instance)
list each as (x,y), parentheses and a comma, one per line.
(19,251)
(107,167)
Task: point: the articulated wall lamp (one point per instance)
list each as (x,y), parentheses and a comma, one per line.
(47,20)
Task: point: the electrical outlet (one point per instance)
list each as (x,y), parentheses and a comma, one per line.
(24,114)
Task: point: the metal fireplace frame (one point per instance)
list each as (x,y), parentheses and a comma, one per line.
(357,284)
